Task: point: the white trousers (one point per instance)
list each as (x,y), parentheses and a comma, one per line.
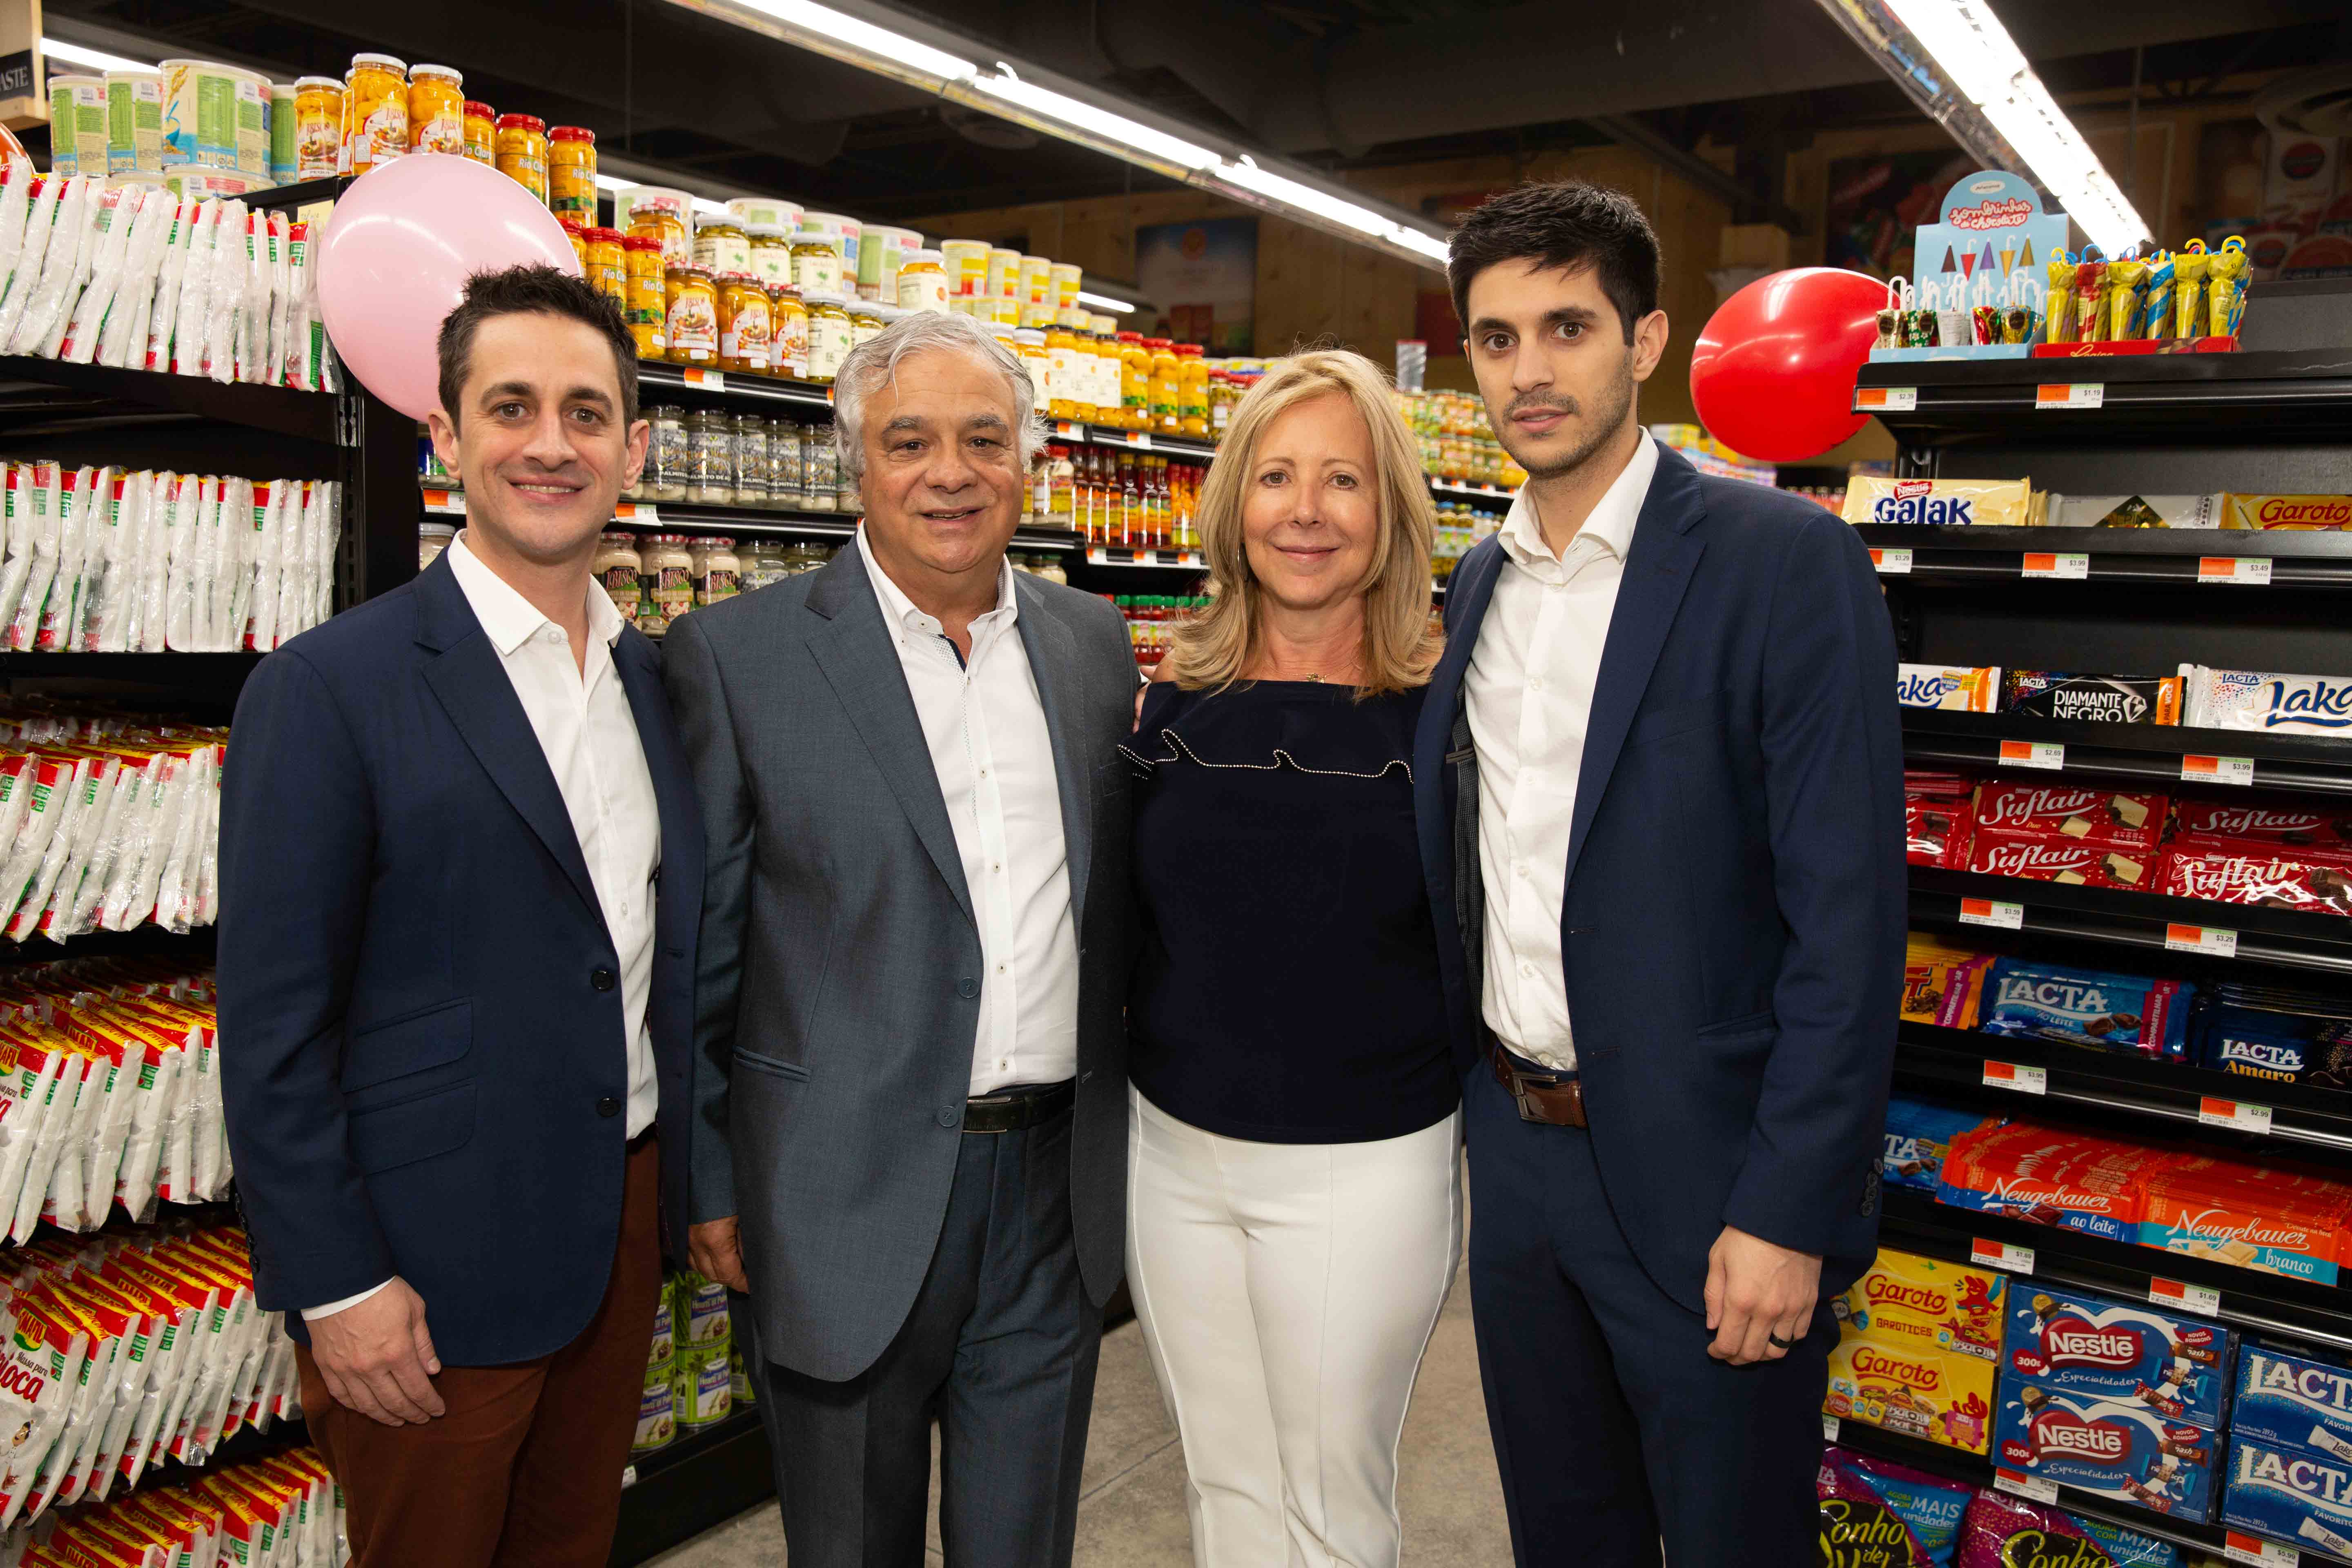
(1287,1292)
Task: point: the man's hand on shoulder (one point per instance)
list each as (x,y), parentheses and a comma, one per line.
(1756,1290)
(715,1247)
(377,1358)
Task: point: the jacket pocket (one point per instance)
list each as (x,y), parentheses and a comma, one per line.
(777,1065)
(411,1130)
(409,1044)
(1679,717)
(1760,1022)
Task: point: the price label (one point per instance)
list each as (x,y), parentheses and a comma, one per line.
(2031,1487)
(828,398)
(1181,558)
(1139,439)
(2071,394)
(2066,566)
(2240,1547)
(1992,912)
(2048,755)
(2234,1113)
(446,503)
(629,1476)
(1102,557)
(2000,1255)
(1886,399)
(2254,571)
(2217,770)
(2209,940)
(636,511)
(2202,1300)
(1892,562)
(2023,1076)
(713,380)
(1069,432)
(1829,1428)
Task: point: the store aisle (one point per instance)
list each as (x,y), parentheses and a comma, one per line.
(1132,1512)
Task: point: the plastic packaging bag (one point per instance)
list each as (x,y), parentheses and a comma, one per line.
(108,573)
(163,314)
(271,504)
(198,495)
(116,214)
(16,183)
(230,270)
(16,521)
(153,614)
(123,339)
(65,1094)
(69,234)
(24,625)
(281,277)
(88,235)
(44,1350)
(80,497)
(32,259)
(193,318)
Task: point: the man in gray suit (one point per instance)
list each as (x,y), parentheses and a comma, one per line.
(911,1134)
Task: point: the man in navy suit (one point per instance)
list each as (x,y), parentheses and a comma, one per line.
(1659,782)
(461,873)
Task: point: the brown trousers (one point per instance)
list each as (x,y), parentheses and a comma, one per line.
(524,1471)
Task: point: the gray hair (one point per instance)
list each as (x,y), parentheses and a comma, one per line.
(876,360)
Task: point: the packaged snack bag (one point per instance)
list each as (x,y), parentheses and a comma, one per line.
(1942,985)
(1950,687)
(2127,1012)
(1939,503)
(1878,1514)
(41,1366)
(2093,699)
(2000,1531)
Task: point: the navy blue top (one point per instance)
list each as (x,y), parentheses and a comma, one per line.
(1287,988)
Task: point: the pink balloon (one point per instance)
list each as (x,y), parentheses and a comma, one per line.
(403,240)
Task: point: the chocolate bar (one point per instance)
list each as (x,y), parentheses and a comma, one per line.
(2097,699)
(2137,511)
(1878,1514)
(2249,1216)
(1957,688)
(2060,858)
(1925,1304)
(2324,512)
(2129,820)
(2269,703)
(2290,1494)
(2130,1013)
(1917,1391)
(2248,823)
(1919,1137)
(2123,1452)
(2292,1399)
(1942,985)
(2047,1175)
(1937,503)
(2000,1531)
(2310,881)
(2278,1033)
(2094,1347)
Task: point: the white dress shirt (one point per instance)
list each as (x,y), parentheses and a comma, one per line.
(588,733)
(1530,697)
(985,725)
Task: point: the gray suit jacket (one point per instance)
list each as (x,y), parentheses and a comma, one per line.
(836,995)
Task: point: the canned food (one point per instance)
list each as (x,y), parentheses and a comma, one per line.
(134,121)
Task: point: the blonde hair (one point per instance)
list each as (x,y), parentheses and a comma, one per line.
(1213,648)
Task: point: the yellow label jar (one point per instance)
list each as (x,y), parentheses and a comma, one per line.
(1030,344)
(375,112)
(746,326)
(788,353)
(1134,383)
(865,323)
(1004,274)
(481,132)
(667,229)
(966,263)
(816,264)
(771,253)
(318,127)
(572,172)
(690,328)
(1192,391)
(437,110)
(648,298)
(831,335)
(722,244)
(608,265)
(1037,286)
(923,281)
(1164,418)
(1061,373)
(1068,277)
(523,151)
(579,238)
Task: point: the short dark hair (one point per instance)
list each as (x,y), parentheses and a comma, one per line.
(537,290)
(1561,224)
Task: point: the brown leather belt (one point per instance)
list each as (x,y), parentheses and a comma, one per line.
(1556,1100)
(1017,1110)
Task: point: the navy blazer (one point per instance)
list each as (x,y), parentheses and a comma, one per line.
(422,1055)
(1732,931)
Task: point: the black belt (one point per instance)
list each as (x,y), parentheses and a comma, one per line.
(1017,1110)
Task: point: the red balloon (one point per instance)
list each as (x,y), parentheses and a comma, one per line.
(1772,374)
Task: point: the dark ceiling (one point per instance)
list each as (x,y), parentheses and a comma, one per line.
(1337,84)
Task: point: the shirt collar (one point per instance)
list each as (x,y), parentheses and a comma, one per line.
(1610,523)
(508,618)
(901,611)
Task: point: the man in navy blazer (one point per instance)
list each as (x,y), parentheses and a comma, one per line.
(1659,784)
(461,873)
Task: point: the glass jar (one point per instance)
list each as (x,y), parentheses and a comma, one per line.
(481,132)
(436,110)
(620,572)
(761,562)
(1164,419)
(722,244)
(669,581)
(830,336)
(690,322)
(800,558)
(966,262)
(1030,344)
(375,112)
(608,266)
(523,151)
(709,459)
(923,281)
(431,539)
(1192,391)
(820,468)
(648,296)
(817,263)
(718,571)
(572,172)
(1062,374)
(784,490)
(579,238)
(318,127)
(745,328)
(772,253)
(667,230)
(865,323)
(750,460)
(788,349)
(668,455)
(1134,383)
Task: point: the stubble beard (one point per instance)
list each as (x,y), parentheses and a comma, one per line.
(1598,434)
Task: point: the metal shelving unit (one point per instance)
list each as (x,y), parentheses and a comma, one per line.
(703,1478)
(2148,755)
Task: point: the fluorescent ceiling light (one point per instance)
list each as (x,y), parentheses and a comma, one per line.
(1104,302)
(1985,66)
(1336,209)
(93,59)
(1086,117)
(863,38)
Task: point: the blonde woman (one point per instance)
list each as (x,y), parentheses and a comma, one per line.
(1294,1213)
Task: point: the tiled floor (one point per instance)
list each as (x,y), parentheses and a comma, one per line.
(1132,1511)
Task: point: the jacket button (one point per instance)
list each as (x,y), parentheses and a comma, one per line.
(967,987)
(608,1106)
(602,980)
(950,1115)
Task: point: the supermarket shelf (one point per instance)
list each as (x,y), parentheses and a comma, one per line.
(2251,397)
(1148,560)
(2287,938)
(1494,494)
(701,1480)
(2147,754)
(1976,1469)
(658,382)
(27,384)
(1134,440)
(2295,559)
(785,522)
(2268,1304)
(302,194)
(2164,1096)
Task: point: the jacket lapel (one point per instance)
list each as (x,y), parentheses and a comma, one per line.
(475,691)
(1052,663)
(854,649)
(1468,591)
(680,886)
(1657,572)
